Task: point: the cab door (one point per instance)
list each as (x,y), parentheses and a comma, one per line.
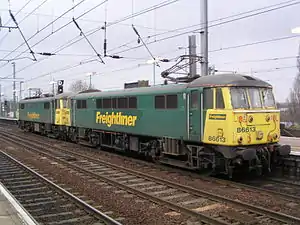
(66,112)
(57,106)
(194,106)
(63,112)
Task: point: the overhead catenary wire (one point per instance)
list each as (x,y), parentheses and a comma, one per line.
(273,8)
(23,7)
(141,39)
(71,42)
(36,8)
(93,8)
(49,24)
(89,61)
(261,60)
(82,33)
(95,21)
(15,21)
(256,43)
(165,3)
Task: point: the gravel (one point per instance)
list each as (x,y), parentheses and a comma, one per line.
(254,197)
(108,199)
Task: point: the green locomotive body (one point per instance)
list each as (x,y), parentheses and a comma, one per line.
(213,122)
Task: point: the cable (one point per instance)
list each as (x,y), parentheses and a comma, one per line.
(168,2)
(64,26)
(18,12)
(45,28)
(220,19)
(118,21)
(36,8)
(11,19)
(256,43)
(89,60)
(96,21)
(262,60)
(274,69)
(138,46)
(218,24)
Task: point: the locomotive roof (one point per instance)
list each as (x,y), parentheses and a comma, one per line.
(159,89)
(205,81)
(45,99)
(229,79)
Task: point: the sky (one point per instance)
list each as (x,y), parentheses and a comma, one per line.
(235,44)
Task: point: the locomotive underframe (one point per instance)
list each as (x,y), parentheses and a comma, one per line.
(196,156)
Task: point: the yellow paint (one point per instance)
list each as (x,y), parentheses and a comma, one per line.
(33,115)
(63,115)
(241,127)
(116,119)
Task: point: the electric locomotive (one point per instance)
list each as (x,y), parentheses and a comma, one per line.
(223,123)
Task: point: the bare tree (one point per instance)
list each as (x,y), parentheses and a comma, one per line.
(294,98)
(79,85)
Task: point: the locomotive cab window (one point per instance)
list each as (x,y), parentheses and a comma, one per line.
(239,99)
(255,99)
(65,103)
(268,98)
(22,106)
(219,99)
(194,99)
(57,103)
(84,105)
(208,98)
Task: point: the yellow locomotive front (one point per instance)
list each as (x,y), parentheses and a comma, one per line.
(244,125)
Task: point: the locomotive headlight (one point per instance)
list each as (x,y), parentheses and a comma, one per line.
(259,135)
(270,138)
(275,136)
(249,138)
(220,132)
(241,119)
(240,139)
(250,119)
(268,118)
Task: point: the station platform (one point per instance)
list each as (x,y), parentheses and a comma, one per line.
(8,118)
(11,212)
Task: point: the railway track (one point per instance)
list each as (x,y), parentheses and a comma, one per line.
(281,186)
(209,208)
(45,201)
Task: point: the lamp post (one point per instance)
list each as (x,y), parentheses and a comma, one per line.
(154,62)
(90,76)
(296,30)
(1,105)
(20,91)
(53,87)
